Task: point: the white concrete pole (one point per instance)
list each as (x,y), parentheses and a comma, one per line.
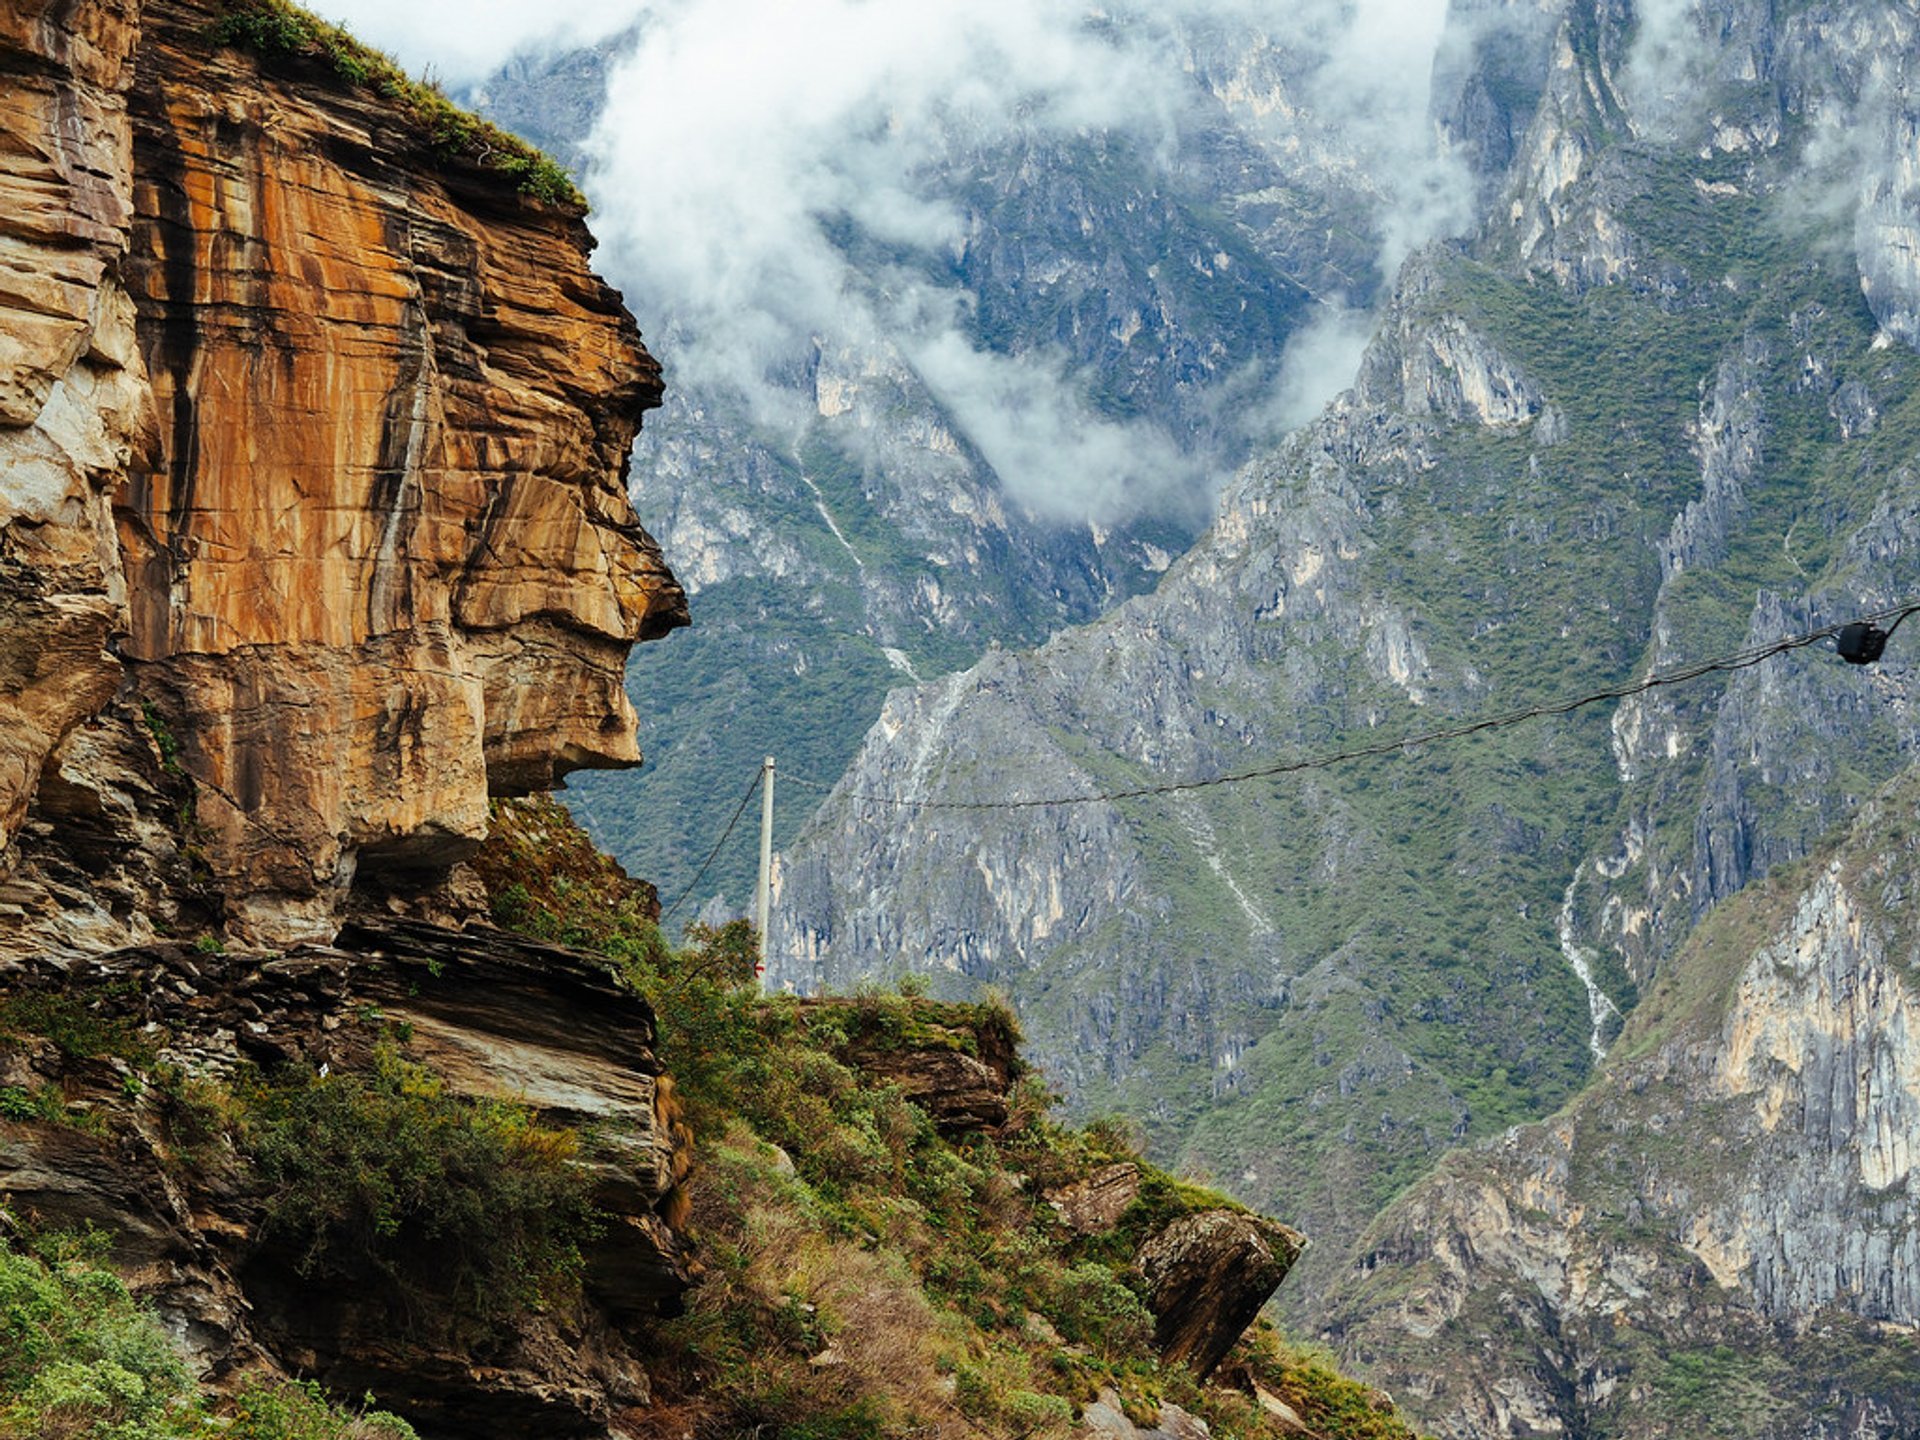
(763,894)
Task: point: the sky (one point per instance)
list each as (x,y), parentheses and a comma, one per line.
(738,132)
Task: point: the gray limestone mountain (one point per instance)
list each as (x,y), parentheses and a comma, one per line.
(1718,1237)
(868,535)
(1660,407)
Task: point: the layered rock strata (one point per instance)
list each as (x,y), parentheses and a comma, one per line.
(74,405)
(362,415)
(495,1018)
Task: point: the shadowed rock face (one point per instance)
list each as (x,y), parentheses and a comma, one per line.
(1207,1276)
(496,1018)
(364,419)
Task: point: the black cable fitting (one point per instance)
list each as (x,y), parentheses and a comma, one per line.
(1861,643)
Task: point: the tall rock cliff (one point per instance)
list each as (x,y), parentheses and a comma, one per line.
(1657,409)
(314,536)
(317,441)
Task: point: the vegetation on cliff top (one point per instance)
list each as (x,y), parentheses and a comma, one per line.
(284,34)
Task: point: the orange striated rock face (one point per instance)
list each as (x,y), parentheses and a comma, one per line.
(367,458)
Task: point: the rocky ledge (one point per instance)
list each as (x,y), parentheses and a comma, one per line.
(1205,1267)
(107,1123)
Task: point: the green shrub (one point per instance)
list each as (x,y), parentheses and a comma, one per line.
(472,1203)
(299,1411)
(80,1357)
(77,1356)
(1094,1306)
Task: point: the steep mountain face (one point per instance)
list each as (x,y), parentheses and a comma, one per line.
(317,448)
(1658,409)
(1717,1236)
(860,521)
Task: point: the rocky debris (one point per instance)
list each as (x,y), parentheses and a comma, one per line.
(495,1018)
(942,1057)
(1097,1202)
(1207,1276)
(357,590)
(1107,1418)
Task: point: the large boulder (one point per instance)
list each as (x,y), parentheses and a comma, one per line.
(1207,1275)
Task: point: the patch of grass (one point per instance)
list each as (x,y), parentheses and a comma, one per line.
(74,1025)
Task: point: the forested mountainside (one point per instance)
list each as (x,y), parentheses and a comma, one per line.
(884,507)
(1657,408)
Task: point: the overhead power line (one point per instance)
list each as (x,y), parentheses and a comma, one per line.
(739,810)
(1680,675)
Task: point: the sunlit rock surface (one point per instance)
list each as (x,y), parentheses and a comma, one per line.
(1729,1202)
(362,415)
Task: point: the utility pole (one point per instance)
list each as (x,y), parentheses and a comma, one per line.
(763,893)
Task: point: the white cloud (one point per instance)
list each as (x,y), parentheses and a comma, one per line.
(740,137)
(1321,360)
(463,41)
(1048,450)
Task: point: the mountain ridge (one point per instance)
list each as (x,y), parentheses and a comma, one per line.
(1653,410)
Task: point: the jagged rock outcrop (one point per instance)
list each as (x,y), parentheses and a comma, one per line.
(1207,1275)
(960,1073)
(1099,1200)
(1205,1269)
(362,416)
(494,1017)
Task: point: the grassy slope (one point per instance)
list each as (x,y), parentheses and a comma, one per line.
(871,1277)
